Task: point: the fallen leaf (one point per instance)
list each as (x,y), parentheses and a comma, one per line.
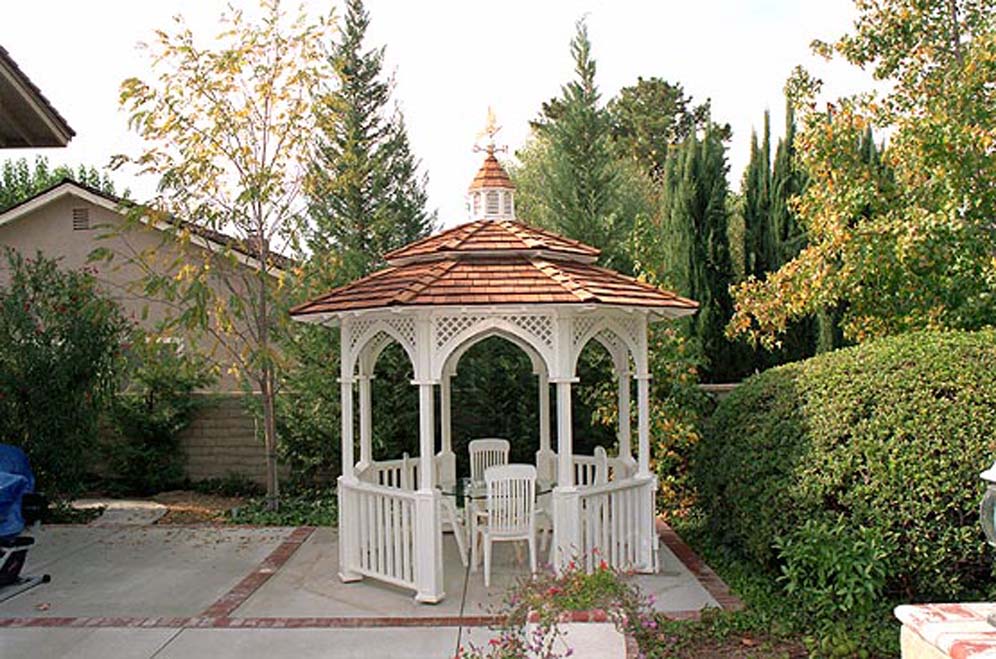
(44,606)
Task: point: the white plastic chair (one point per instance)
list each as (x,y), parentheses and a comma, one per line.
(486,453)
(510,513)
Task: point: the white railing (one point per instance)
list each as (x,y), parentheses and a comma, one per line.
(401,473)
(380,526)
(612,524)
(586,469)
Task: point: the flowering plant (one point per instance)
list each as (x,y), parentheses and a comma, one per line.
(532,610)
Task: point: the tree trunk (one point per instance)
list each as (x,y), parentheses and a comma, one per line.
(270,440)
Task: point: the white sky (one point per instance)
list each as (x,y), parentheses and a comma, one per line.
(452,59)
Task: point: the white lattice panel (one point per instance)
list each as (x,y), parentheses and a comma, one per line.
(540,326)
(405,327)
(446,327)
(580,328)
(357,330)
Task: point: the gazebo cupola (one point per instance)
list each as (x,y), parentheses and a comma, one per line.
(491,195)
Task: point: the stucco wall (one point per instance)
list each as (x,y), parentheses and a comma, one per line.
(49,229)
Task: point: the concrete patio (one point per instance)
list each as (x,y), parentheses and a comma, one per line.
(165,591)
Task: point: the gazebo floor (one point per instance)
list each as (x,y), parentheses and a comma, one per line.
(308,586)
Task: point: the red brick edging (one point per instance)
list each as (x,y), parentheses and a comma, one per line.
(242,591)
(709,579)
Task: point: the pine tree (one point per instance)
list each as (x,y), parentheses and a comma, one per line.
(786,182)
(366,196)
(694,247)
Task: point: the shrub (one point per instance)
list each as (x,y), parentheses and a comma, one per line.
(888,436)
(157,404)
(60,358)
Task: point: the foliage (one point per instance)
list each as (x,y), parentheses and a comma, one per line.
(20,181)
(365,196)
(232,484)
(769,613)
(60,358)
(156,405)
(544,599)
(570,180)
(649,117)
(760,250)
(298,507)
(686,247)
(888,435)
(904,243)
(836,570)
(229,126)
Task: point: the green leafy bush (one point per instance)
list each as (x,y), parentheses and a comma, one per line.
(888,436)
(157,404)
(60,358)
(835,570)
(302,507)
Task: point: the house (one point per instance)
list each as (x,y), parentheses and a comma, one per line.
(27,118)
(68,221)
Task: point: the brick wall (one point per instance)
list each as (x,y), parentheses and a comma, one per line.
(222,439)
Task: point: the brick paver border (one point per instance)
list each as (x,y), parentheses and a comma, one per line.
(709,579)
(219,614)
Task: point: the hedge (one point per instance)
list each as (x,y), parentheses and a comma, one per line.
(884,440)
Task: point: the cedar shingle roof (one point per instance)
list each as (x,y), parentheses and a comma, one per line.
(491,174)
(491,236)
(513,279)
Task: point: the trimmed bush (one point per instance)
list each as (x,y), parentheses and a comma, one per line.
(888,436)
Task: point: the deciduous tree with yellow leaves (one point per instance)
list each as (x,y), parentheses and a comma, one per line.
(228,127)
(906,242)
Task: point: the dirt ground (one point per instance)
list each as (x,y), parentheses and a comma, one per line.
(740,648)
(189,507)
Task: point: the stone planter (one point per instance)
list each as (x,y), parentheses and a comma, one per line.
(587,634)
(939,631)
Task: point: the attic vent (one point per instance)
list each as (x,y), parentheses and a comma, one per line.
(81,219)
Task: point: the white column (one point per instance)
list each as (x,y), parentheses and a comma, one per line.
(348,457)
(565,442)
(428,531)
(566,512)
(545,460)
(625,431)
(643,422)
(366,423)
(445,460)
(426,435)
(348,547)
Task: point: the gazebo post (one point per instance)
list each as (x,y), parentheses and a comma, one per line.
(446,459)
(643,422)
(647,560)
(366,422)
(347,547)
(545,459)
(566,506)
(428,547)
(625,431)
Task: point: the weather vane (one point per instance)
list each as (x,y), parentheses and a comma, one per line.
(491,129)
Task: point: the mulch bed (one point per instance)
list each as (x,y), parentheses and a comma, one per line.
(189,507)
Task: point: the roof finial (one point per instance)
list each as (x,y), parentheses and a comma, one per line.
(491,129)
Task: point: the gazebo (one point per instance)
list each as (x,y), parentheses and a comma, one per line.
(438,296)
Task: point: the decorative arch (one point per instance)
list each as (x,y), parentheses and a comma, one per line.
(365,338)
(451,333)
(619,340)
(537,361)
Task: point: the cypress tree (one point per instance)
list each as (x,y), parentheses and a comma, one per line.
(759,250)
(366,196)
(695,250)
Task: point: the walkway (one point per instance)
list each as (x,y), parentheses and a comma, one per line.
(166,591)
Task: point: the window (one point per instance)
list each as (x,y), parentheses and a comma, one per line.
(477,203)
(507,206)
(491,203)
(81,219)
